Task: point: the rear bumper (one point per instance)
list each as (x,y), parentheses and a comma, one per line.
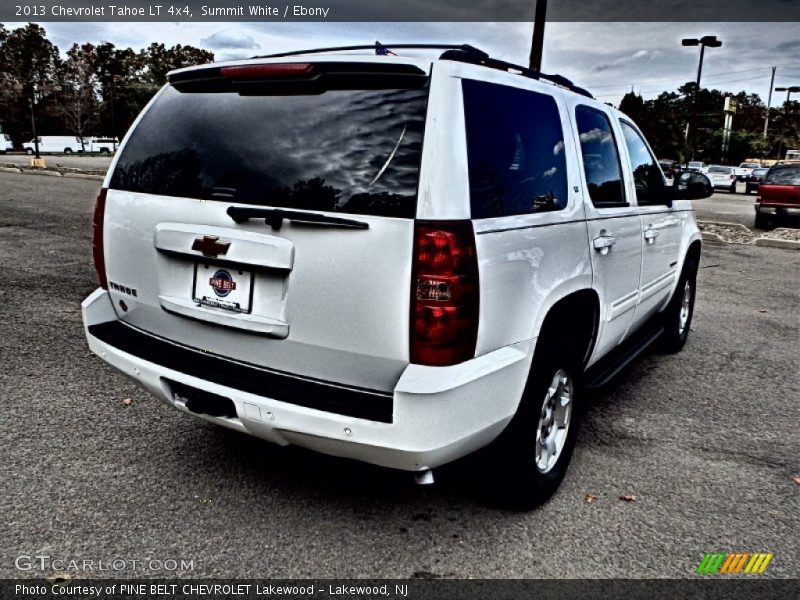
(772,209)
(437,414)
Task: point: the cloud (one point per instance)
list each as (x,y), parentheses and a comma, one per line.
(228,39)
(558,148)
(551,172)
(623,60)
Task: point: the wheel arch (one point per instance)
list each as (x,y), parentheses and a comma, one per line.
(576,316)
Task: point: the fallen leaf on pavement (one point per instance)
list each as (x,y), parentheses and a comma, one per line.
(628,498)
(127,402)
(763,310)
(796,480)
(589,498)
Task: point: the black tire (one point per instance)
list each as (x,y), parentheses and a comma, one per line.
(676,329)
(732,189)
(517,482)
(762,221)
(67,150)
(29,152)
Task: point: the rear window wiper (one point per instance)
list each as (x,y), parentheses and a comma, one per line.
(274,217)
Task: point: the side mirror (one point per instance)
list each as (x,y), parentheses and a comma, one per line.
(692,185)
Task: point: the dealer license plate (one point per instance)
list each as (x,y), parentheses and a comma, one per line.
(223,287)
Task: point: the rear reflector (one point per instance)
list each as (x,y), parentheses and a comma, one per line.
(445,293)
(97,238)
(266,71)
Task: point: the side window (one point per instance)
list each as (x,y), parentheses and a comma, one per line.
(600,158)
(515,150)
(650,186)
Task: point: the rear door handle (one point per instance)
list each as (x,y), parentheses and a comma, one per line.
(603,243)
(650,235)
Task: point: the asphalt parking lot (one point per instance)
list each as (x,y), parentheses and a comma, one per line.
(706,441)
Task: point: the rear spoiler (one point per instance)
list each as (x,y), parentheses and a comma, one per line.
(298,78)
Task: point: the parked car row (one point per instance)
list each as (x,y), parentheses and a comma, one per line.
(68,144)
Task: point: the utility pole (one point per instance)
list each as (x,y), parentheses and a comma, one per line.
(769,102)
(537,46)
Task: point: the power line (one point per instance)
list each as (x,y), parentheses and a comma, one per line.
(649,81)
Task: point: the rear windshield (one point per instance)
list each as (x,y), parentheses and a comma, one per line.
(719,169)
(340,151)
(789,175)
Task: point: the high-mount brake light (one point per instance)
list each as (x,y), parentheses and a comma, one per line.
(445,293)
(266,71)
(98,253)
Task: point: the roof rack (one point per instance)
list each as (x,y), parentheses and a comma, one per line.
(494,63)
(462,47)
(457,52)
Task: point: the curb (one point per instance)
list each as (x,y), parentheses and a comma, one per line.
(85,176)
(51,173)
(777,243)
(35,172)
(712,237)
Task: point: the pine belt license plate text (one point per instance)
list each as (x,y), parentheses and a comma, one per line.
(223,287)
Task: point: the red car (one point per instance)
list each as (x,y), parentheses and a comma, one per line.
(779,194)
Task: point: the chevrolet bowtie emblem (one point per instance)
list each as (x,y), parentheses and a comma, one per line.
(210,246)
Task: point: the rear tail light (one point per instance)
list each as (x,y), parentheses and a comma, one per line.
(445,293)
(97,238)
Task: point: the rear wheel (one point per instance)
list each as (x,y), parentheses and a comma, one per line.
(531,457)
(732,189)
(29,151)
(67,150)
(678,315)
(762,221)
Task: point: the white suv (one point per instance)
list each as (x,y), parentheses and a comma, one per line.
(397,260)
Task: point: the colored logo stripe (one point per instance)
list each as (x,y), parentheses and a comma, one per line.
(733,563)
(758,564)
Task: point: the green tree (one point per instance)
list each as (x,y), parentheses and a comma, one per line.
(78,81)
(29,62)
(161,60)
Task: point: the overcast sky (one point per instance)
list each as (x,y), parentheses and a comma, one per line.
(606,58)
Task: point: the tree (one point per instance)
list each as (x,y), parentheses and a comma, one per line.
(29,62)
(77,79)
(161,60)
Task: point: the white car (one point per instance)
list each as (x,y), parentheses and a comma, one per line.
(6,145)
(399,260)
(723,177)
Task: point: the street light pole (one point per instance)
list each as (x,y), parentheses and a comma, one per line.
(33,121)
(712,42)
(789,91)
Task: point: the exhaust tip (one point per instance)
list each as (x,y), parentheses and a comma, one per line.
(424,477)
